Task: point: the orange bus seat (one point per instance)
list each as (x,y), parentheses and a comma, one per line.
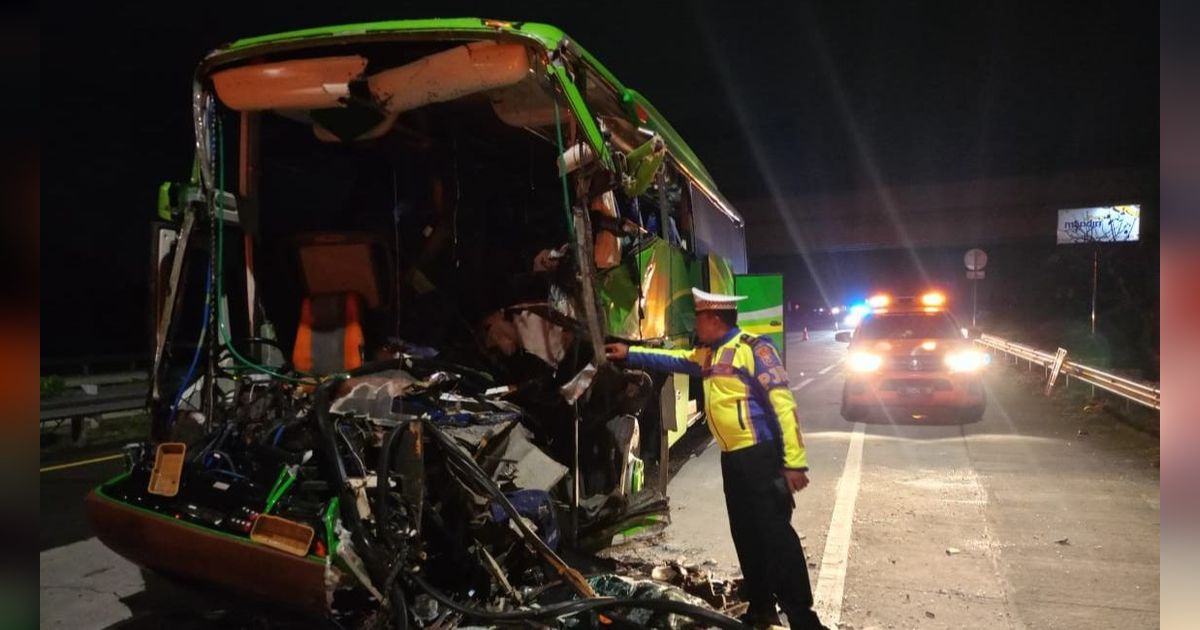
(330,336)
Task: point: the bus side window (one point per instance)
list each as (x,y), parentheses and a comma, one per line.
(684,222)
(664,208)
(715,233)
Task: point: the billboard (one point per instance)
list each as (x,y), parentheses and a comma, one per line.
(1105,224)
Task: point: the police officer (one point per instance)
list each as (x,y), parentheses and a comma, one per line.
(752,416)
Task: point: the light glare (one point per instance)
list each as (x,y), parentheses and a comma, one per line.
(933,299)
(864,362)
(965,361)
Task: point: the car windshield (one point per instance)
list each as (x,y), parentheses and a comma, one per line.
(909,326)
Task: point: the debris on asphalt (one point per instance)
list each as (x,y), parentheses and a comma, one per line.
(664,574)
(719,592)
(609,585)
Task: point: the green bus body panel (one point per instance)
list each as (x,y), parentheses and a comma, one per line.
(720,275)
(590,128)
(667,276)
(762,312)
(164,201)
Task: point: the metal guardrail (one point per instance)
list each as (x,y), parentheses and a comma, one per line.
(96,394)
(1143,393)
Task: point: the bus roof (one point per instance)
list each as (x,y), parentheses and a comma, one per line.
(544,36)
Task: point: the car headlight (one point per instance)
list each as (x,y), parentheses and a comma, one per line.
(864,362)
(966,360)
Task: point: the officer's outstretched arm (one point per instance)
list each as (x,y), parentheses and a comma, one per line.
(662,360)
(770,373)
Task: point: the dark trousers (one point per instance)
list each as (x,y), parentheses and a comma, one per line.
(769,551)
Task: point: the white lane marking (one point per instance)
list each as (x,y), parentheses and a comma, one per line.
(82,585)
(831,581)
(802,384)
(826,370)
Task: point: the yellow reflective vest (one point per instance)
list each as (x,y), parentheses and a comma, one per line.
(746,396)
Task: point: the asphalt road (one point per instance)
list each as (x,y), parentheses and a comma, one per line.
(1040,515)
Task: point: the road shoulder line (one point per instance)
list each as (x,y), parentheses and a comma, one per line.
(831,580)
(802,384)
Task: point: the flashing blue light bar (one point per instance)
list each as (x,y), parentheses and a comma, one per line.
(856,314)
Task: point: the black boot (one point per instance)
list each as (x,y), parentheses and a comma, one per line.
(761,621)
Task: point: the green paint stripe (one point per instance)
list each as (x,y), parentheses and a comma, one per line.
(761,321)
(282,483)
(762,324)
(544,34)
(331,513)
(582,114)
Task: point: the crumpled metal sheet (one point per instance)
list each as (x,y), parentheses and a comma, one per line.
(525,465)
(475,436)
(612,585)
(579,384)
(540,337)
(645,513)
(372,396)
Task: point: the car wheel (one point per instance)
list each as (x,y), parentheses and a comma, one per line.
(974,414)
(852,413)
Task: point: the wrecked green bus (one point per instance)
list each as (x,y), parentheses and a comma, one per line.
(379,305)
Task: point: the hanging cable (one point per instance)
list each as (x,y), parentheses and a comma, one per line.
(563,175)
(395,281)
(191,371)
(222,325)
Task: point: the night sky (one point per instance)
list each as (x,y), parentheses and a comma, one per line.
(797,97)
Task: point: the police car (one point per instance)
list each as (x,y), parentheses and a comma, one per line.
(910,356)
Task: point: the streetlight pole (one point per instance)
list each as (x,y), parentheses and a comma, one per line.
(974,301)
(975,260)
(1095,277)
